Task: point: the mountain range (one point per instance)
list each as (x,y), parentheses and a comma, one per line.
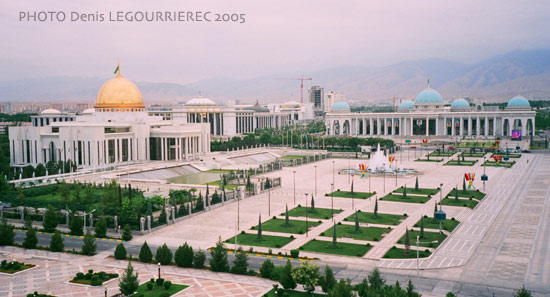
(525,72)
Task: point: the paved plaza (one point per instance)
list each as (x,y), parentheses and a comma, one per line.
(498,246)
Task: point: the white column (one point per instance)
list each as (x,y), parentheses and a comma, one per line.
(427,126)
(461,127)
(478,126)
(436,125)
(370,127)
(445,125)
(412,126)
(453,126)
(469,125)
(494,125)
(486,127)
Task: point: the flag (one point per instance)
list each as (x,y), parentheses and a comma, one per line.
(117,68)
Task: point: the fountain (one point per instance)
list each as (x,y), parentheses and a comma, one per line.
(379,165)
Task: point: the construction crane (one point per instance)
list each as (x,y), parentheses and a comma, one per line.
(301,79)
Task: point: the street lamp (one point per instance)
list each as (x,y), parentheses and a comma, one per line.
(269,201)
(158,264)
(294,174)
(315,166)
(332,201)
(332,171)
(418,252)
(484,177)
(306,217)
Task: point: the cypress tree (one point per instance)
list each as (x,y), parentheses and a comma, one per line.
(356,222)
(376,207)
(422,227)
(130,192)
(50,220)
(163,255)
(405,192)
(101,228)
(287,223)
(328,281)
(129,281)
(184,256)
(119,196)
(31,240)
(6,233)
(127,233)
(416,184)
(456,193)
(435,208)
(145,254)
(120,252)
(259,237)
(286,279)
(312,204)
(218,258)
(464,185)
(89,246)
(56,242)
(240,264)
(76,226)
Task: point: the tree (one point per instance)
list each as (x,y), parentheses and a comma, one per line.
(120,252)
(6,233)
(49,222)
(375,279)
(407,241)
(435,208)
(410,290)
(75,226)
(199,259)
(450,294)
(422,227)
(267,268)
(464,185)
(522,292)
(327,281)
(416,184)
(376,207)
(286,279)
(334,236)
(145,254)
(101,228)
(129,281)
(456,194)
(342,288)
(31,240)
(307,275)
(40,170)
(259,236)
(287,222)
(184,256)
(127,233)
(312,204)
(218,258)
(240,264)
(405,192)
(356,222)
(89,246)
(163,255)
(56,242)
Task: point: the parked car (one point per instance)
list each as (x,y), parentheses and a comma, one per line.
(526,151)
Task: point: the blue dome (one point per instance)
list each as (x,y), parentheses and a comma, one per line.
(341,106)
(428,96)
(518,101)
(460,103)
(406,105)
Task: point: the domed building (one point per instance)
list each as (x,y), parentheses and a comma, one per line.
(117,130)
(429,117)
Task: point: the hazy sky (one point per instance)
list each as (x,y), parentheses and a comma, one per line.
(278,36)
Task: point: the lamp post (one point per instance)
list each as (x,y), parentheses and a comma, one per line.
(418,252)
(332,201)
(315,180)
(332,171)
(484,177)
(306,217)
(158,264)
(269,201)
(349,168)
(352,195)
(294,174)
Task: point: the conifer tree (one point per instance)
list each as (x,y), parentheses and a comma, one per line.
(286,279)
(259,237)
(31,240)
(127,233)
(356,222)
(120,252)
(56,242)
(101,228)
(287,223)
(376,207)
(405,192)
(218,258)
(145,254)
(129,281)
(334,236)
(422,227)
(89,246)
(240,264)
(416,184)
(407,241)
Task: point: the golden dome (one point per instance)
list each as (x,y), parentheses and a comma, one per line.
(119,94)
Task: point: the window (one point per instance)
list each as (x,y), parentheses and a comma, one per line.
(55,129)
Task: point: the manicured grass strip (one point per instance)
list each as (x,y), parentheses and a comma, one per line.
(294,157)
(472,155)
(428,237)
(294,226)
(421,191)
(501,164)
(218,183)
(316,213)
(431,223)
(266,240)
(460,202)
(441,154)
(397,253)
(346,194)
(475,144)
(342,248)
(223,170)
(513,156)
(460,163)
(293,294)
(409,199)
(365,233)
(428,160)
(158,290)
(467,194)
(381,218)
(15,267)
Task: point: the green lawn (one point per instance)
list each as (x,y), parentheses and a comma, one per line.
(428,160)
(397,253)
(421,191)
(409,199)
(13,267)
(294,157)
(266,241)
(218,183)
(513,156)
(292,294)
(316,213)
(347,194)
(295,226)
(475,144)
(430,222)
(473,155)
(460,202)
(223,170)
(441,154)
(157,291)
(501,164)
(469,193)
(381,218)
(460,163)
(428,237)
(365,233)
(346,249)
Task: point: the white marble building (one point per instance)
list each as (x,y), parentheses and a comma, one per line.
(428,116)
(118,130)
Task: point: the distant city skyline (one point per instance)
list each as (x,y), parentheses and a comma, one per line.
(277,37)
